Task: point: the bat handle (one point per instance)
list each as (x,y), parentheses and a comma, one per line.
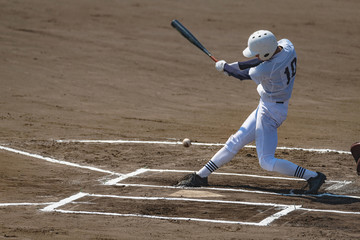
(213,58)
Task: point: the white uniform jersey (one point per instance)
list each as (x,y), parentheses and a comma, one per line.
(275,77)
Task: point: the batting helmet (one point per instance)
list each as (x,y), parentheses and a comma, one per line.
(261,42)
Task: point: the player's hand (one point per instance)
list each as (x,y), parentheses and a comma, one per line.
(219,65)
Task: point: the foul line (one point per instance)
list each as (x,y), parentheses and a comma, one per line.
(57,161)
(195,143)
(23,204)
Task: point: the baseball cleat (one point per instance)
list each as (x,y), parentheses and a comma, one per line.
(193,180)
(315,183)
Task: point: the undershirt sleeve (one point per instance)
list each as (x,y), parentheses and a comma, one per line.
(239,74)
(249,64)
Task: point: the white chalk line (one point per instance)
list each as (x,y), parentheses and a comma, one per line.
(240,190)
(24,204)
(198,188)
(336,184)
(53,206)
(139,171)
(286,209)
(241,175)
(195,143)
(190,200)
(160,217)
(278,215)
(328,211)
(65,201)
(52,160)
(125,176)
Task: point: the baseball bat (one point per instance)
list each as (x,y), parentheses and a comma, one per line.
(188,35)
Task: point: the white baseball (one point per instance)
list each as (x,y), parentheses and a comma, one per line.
(186,142)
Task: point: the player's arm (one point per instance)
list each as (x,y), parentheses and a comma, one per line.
(232,70)
(249,64)
(236,72)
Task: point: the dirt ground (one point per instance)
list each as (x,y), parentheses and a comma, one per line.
(116,69)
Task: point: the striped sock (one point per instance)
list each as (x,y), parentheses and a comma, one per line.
(207,169)
(304,173)
(222,157)
(288,168)
(299,172)
(211,166)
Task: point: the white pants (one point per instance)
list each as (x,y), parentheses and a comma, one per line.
(261,126)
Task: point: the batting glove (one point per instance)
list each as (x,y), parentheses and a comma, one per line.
(219,65)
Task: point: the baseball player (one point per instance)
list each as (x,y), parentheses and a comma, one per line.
(273,70)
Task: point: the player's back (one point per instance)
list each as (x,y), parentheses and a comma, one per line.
(276,76)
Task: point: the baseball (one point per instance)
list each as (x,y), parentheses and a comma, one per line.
(186,142)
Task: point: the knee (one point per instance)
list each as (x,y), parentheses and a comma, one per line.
(234,144)
(267,162)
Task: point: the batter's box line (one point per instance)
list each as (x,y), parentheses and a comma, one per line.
(335,184)
(285,209)
(239,190)
(125,176)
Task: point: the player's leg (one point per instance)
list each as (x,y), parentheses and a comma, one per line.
(270,163)
(266,143)
(234,144)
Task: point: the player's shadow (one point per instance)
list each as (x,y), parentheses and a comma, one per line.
(321,197)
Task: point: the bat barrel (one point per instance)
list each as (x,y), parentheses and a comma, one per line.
(188,35)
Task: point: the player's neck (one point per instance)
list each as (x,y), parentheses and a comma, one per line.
(278,49)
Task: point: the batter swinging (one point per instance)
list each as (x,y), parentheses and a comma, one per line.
(273,70)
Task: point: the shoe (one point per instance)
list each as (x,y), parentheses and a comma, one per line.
(193,180)
(315,183)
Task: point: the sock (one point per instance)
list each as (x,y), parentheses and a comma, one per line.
(288,168)
(222,157)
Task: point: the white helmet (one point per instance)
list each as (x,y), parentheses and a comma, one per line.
(261,42)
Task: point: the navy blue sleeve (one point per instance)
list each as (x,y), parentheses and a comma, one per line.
(240,74)
(249,64)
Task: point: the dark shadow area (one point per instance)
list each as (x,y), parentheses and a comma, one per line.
(322,197)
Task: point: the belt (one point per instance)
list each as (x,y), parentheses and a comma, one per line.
(280,102)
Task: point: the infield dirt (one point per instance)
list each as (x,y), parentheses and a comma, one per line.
(91,69)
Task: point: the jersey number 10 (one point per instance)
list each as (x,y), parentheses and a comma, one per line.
(291,74)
